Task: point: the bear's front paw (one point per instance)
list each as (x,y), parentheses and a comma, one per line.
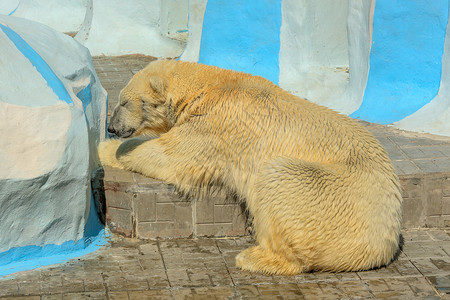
(107,153)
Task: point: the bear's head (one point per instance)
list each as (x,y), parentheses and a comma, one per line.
(142,108)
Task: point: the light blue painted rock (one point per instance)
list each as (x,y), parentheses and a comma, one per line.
(52,117)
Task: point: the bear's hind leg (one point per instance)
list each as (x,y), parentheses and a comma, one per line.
(258,259)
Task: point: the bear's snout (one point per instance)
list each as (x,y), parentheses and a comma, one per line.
(111,129)
(120,132)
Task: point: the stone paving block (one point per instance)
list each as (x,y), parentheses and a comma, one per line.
(445,245)
(119,199)
(165,211)
(152,294)
(23,298)
(406,167)
(286,291)
(445,149)
(446,205)
(446,186)
(434,221)
(433,195)
(164,230)
(223,213)
(9,289)
(397,268)
(204,211)
(51,286)
(199,277)
(416,236)
(118,295)
(167,195)
(326,276)
(424,249)
(158,282)
(91,295)
(221,229)
(220,278)
(114,175)
(136,283)
(412,186)
(400,288)
(248,291)
(422,152)
(52,297)
(226,292)
(183,214)
(120,221)
(432,165)
(432,266)
(178,277)
(412,213)
(72,285)
(443,165)
(116,282)
(440,283)
(94,284)
(411,141)
(145,207)
(322,290)
(28,288)
(150,248)
(439,235)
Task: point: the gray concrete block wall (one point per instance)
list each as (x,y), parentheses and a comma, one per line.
(426,200)
(144,208)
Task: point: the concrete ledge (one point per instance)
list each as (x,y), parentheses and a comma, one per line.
(135,206)
(426,200)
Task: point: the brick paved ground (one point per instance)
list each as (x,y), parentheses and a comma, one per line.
(205,269)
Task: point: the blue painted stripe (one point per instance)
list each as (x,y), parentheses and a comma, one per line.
(85,95)
(14,9)
(30,257)
(36,60)
(242,36)
(405,59)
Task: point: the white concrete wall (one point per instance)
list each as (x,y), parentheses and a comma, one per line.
(112,27)
(314,60)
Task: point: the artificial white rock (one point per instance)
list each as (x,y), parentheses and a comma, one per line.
(52,117)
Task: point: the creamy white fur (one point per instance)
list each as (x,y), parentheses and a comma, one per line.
(321,189)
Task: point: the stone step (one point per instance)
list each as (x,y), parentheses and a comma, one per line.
(136,206)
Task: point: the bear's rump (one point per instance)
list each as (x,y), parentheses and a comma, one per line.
(322,212)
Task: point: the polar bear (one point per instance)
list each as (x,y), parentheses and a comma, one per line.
(321,189)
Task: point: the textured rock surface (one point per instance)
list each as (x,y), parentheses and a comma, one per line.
(52,116)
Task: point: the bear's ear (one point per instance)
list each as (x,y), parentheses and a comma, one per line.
(157,84)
